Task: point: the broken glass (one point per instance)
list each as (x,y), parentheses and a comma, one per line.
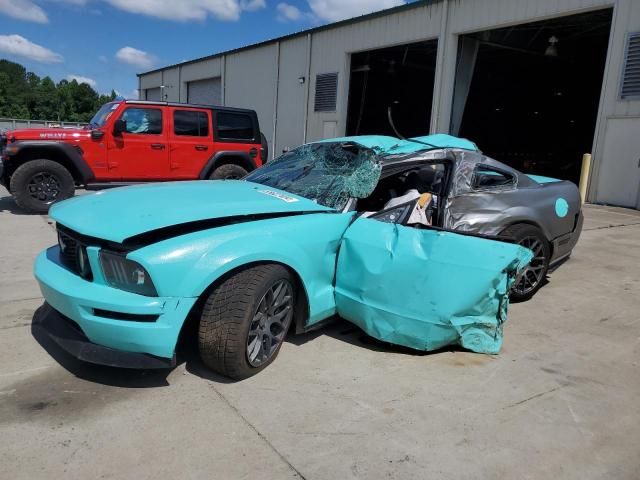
(327,173)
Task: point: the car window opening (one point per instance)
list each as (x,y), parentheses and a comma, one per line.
(412,197)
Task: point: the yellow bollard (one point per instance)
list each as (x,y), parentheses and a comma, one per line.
(585,173)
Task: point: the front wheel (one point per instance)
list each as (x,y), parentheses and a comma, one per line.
(245,320)
(38,184)
(531,279)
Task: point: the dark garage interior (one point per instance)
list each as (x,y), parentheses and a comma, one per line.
(401,77)
(528,95)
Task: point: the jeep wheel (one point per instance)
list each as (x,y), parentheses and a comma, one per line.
(245,320)
(534,274)
(228,172)
(38,184)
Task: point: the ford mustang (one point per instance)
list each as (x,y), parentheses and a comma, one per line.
(418,242)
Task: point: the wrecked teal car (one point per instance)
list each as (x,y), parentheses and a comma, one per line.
(297,242)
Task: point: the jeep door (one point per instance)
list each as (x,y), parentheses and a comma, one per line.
(190,140)
(426,288)
(141,152)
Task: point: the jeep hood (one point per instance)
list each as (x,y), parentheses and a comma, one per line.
(118,214)
(60,134)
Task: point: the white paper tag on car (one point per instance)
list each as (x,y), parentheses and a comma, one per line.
(279,195)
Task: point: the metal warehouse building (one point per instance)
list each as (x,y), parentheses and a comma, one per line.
(535,83)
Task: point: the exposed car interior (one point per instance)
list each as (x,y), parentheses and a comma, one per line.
(408,196)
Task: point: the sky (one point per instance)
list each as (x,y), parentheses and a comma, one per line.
(106,42)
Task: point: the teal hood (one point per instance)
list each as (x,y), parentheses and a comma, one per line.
(121,213)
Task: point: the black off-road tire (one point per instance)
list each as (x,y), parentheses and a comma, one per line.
(526,235)
(265,147)
(22,178)
(227,317)
(229,171)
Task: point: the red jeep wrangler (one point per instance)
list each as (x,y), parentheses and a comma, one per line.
(130,142)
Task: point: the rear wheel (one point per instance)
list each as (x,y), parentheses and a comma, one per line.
(228,172)
(533,276)
(265,148)
(38,184)
(245,320)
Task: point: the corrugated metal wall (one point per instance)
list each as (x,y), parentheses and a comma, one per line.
(266,78)
(250,82)
(292,94)
(617,171)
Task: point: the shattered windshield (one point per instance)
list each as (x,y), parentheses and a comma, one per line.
(327,173)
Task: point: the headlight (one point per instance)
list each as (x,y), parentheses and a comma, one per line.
(125,274)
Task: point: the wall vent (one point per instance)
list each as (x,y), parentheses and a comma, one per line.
(631,75)
(326,92)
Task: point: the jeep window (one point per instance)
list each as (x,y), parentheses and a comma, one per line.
(102,115)
(488,178)
(146,121)
(234,126)
(327,173)
(190,123)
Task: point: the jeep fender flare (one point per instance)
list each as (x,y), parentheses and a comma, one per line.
(65,154)
(242,159)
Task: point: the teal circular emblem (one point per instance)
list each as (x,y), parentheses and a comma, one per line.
(562,207)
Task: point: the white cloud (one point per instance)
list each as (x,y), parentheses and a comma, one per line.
(135,57)
(20,46)
(334,10)
(288,13)
(183,10)
(252,5)
(23,10)
(80,79)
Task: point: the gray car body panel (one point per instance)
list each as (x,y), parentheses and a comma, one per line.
(489,211)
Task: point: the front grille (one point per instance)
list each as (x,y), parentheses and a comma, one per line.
(73,255)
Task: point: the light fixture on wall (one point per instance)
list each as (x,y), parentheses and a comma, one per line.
(301,80)
(552,49)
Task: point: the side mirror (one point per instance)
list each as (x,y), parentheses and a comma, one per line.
(119,126)
(97,134)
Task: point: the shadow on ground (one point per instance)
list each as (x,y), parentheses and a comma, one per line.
(188,355)
(8,204)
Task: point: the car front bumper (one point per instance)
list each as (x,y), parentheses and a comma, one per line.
(67,335)
(95,309)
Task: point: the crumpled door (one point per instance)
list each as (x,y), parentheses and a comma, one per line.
(425,289)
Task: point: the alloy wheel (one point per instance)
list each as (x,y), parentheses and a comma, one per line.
(270,323)
(44,187)
(535,271)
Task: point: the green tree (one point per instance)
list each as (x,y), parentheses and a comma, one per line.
(25,95)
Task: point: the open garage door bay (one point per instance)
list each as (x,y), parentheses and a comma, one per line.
(528,94)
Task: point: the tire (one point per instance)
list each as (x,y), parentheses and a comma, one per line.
(265,147)
(229,171)
(533,276)
(38,184)
(238,320)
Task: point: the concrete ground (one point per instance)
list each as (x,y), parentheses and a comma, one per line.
(562,400)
